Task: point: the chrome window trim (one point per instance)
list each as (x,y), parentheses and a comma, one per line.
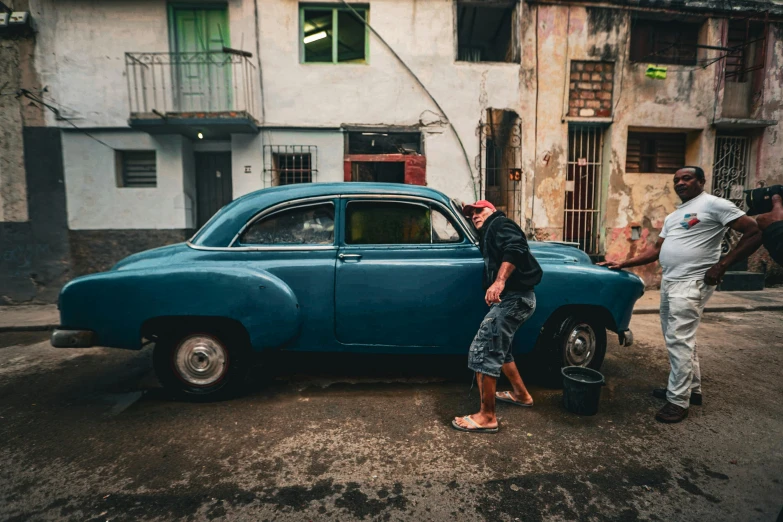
(280,207)
(277,248)
(446,210)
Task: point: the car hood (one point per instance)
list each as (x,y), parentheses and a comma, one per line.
(157,256)
(558,252)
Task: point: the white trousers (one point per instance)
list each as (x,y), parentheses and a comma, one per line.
(682,304)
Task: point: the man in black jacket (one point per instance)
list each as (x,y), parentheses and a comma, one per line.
(510,273)
(771,226)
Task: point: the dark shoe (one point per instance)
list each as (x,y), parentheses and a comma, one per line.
(660,393)
(671,413)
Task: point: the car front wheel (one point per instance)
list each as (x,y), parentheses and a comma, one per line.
(201,366)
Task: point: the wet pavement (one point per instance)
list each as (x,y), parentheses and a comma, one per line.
(88,435)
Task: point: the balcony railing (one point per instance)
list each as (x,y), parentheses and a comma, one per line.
(214,83)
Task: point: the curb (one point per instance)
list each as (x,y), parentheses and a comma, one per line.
(719,309)
(31,328)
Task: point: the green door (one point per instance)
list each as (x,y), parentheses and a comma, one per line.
(202,72)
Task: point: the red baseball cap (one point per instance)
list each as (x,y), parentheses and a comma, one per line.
(482,203)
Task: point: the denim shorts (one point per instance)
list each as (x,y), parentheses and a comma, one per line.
(491,348)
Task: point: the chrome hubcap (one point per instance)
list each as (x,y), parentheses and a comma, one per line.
(580,345)
(200,360)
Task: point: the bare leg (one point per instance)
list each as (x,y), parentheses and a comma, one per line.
(519,392)
(486,415)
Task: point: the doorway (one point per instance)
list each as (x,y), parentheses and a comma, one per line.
(201,70)
(581,222)
(730,177)
(213,184)
(379,172)
(502,180)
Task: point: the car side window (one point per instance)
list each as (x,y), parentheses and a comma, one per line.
(396,223)
(307,225)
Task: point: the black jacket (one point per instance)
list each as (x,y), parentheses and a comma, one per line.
(773,241)
(502,240)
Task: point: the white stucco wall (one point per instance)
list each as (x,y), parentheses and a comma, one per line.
(95,202)
(80,55)
(81,46)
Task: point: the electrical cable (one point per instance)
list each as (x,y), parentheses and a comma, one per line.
(29,95)
(432,98)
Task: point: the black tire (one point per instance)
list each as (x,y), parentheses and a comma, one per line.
(562,341)
(202,364)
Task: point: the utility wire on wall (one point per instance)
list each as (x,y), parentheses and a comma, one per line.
(402,62)
(35,99)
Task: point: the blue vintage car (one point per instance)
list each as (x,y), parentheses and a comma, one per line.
(343,267)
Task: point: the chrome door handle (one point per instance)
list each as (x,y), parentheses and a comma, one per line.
(344,257)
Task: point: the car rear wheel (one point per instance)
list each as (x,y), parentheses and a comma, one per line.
(201,366)
(574,340)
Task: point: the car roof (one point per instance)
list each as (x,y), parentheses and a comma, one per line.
(225,224)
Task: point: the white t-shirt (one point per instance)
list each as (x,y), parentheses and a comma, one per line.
(693,235)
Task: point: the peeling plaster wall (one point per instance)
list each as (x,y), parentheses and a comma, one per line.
(686,101)
(17,71)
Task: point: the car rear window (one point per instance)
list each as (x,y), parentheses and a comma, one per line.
(305,225)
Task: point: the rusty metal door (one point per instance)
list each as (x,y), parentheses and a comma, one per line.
(581,223)
(730,177)
(500,165)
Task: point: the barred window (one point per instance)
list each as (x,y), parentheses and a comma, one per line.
(289,164)
(136,169)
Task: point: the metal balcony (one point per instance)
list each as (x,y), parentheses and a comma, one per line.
(212,93)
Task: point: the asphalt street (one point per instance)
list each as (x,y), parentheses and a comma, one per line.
(88,435)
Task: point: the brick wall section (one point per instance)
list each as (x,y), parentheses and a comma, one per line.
(590,89)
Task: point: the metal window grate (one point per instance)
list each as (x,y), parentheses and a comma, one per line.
(730,177)
(289,164)
(583,187)
(500,162)
(138,168)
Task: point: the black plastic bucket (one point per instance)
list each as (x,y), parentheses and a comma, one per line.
(581,389)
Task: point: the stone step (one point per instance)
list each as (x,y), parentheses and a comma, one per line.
(741,281)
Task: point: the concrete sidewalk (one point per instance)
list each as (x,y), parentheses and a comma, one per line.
(766,300)
(45,317)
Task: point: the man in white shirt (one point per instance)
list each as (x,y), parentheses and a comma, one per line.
(688,248)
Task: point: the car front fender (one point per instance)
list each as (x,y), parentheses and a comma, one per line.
(116,304)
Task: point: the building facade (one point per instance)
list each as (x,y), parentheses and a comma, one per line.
(127,124)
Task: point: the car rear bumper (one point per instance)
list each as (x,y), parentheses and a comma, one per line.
(73,338)
(625,337)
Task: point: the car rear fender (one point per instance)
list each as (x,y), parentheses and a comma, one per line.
(115,305)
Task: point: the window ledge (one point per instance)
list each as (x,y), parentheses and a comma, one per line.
(465,62)
(587,119)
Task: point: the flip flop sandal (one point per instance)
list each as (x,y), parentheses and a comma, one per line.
(506,397)
(477,429)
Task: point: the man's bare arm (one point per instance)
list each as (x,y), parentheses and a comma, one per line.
(748,243)
(494,291)
(650,255)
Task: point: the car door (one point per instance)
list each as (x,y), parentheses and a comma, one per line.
(297,244)
(406,276)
